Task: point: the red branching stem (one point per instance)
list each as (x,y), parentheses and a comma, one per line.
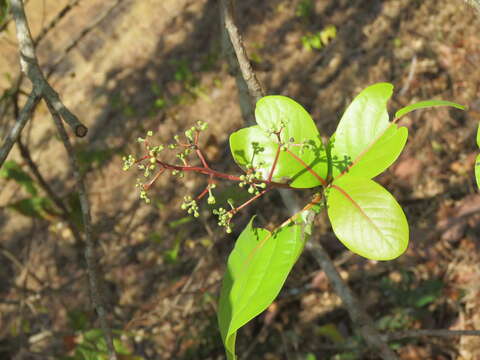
(217,174)
(150,183)
(142,158)
(248,202)
(354,203)
(201,157)
(203,193)
(309,169)
(274,165)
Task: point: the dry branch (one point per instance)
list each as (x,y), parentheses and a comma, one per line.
(42,89)
(74,42)
(428,332)
(30,67)
(16,129)
(359,316)
(90,253)
(61,14)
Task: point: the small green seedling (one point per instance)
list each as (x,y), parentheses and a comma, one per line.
(285,150)
(319,39)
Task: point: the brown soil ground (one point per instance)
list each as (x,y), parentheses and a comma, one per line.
(157,65)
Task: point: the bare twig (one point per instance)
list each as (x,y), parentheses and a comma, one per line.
(16,129)
(360,318)
(74,42)
(41,88)
(411,73)
(30,67)
(428,332)
(90,254)
(244,99)
(254,87)
(61,14)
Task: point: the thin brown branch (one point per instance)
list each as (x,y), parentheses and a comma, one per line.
(30,67)
(61,14)
(90,253)
(254,87)
(428,332)
(360,318)
(17,128)
(74,42)
(25,153)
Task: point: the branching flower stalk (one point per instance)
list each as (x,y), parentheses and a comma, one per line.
(253,180)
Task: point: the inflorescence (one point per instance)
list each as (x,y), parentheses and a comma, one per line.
(152,167)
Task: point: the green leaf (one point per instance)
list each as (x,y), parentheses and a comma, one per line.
(35,207)
(365,142)
(256,271)
(257,146)
(478,135)
(12,171)
(425,104)
(4,10)
(366,218)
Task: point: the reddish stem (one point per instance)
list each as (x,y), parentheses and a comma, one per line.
(248,202)
(217,174)
(274,165)
(309,169)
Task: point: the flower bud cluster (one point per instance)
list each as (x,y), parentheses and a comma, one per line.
(190,205)
(211,199)
(128,162)
(143,192)
(307,145)
(224,218)
(252,180)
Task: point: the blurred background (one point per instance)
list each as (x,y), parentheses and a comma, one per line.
(125,67)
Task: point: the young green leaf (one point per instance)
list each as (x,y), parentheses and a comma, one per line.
(363,133)
(366,218)
(425,104)
(12,171)
(257,146)
(34,207)
(256,271)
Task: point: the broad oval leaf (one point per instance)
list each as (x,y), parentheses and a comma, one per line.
(364,131)
(256,271)
(425,104)
(478,135)
(256,146)
(366,218)
(377,157)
